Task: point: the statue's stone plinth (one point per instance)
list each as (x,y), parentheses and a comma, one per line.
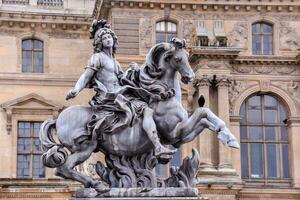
(138,192)
(144,198)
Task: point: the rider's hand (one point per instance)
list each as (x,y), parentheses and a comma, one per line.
(71,94)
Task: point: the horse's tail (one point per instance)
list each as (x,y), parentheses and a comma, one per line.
(55,155)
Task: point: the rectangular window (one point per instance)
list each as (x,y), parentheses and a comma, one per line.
(29,151)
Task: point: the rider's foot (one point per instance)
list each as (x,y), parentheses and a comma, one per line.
(161,150)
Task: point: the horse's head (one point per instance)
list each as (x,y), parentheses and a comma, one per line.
(170,56)
(177,58)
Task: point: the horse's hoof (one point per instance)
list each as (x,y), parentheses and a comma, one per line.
(234,144)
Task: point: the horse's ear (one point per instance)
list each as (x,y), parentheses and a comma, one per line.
(183,43)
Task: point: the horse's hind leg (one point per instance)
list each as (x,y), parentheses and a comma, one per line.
(67,169)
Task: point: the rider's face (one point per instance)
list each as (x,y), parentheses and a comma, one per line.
(107,41)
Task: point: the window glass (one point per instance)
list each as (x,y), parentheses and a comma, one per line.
(264,139)
(165,31)
(262,39)
(32,56)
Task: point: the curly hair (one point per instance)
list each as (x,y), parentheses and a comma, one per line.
(97,30)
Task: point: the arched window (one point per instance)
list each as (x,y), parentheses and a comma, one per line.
(264,139)
(32,56)
(262,39)
(165,31)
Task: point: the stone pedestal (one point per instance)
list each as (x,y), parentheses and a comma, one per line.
(144,198)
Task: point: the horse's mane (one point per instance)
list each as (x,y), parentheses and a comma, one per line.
(151,71)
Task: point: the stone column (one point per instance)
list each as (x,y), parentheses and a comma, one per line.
(225,161)
(294,149)
(205,138)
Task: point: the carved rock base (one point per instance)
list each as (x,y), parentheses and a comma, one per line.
(139,192)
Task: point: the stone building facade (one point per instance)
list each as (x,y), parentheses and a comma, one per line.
(245,55)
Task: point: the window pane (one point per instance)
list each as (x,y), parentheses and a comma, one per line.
(283,114)
(243,114)
(244,157)
(36,145)
(270,103)
(285,160)
(255,28)
(23,145)
(270,133)
(256,157)
(256,45)
(38,61)
(243,132)
(255,133)
(272,160)
(268,45)
(36,128)
(284,133)
(254,116)
(270,116)
(254,102)
(267,28)
(26,61)
(160,27)
(23,166)
(38,44)
(27,44)
(160,37)
(38,170)
(24,132)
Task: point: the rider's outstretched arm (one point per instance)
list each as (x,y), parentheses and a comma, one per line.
(84,79)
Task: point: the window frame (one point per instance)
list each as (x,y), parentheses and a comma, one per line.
(262,35)
(265,180)
(33,50)
(166,32)
(31,153)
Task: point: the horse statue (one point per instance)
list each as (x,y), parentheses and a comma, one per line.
(129,152)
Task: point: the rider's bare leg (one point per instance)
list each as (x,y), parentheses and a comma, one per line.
(150,128)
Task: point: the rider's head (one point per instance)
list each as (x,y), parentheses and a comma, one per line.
(103,36)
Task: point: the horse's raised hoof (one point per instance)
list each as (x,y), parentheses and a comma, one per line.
(233,144)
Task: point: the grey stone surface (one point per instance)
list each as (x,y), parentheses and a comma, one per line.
(144,198)
(131,118)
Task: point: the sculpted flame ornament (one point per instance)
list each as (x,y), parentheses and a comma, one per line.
(131,118)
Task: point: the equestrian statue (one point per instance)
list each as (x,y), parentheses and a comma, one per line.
(135,119)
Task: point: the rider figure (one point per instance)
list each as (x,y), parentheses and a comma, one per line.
(105,72)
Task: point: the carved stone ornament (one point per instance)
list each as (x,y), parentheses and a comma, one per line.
(265,69)
(238,37)
(124,120)
(289,37)
(291,87)
(236,88)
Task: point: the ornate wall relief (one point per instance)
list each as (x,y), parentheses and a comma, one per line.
(188,31)
(289,38)
(266,69)
(238,37)
(236,88)
(291,87)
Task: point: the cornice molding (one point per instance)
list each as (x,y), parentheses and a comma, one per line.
(102,6)
(213,52)
(266,60)
(44,20)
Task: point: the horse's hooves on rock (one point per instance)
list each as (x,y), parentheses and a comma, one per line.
(201,101)
(101,187)
(86,193)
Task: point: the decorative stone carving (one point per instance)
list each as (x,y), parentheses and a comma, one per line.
(289,38)
(236,88)
(265,69)
(238,37)
(188,30)
(264,85)
(291,87)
